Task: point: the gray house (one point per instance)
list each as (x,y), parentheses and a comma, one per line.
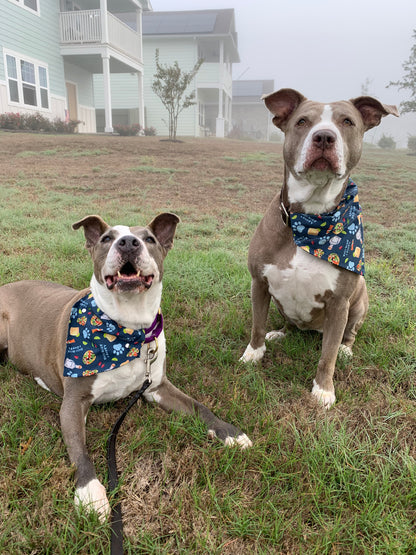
(250,117)
(49,52)
(185,37)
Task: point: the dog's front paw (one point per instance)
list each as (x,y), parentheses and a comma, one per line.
(253,355)
(93,498)
(325,398)
(242,441)
(239,439)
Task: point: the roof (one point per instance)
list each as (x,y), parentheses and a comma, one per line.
(200,22)
(252,88)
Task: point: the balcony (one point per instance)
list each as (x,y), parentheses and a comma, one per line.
(87,28)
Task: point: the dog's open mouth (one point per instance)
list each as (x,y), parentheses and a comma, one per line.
(128,278)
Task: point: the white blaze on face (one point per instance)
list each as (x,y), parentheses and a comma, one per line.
(326,122)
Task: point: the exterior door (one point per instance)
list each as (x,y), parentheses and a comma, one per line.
(71,93)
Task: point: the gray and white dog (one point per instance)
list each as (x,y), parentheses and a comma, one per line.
(43,331)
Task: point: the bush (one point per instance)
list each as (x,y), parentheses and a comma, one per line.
(387,142)
(150,131)
(60,126)
(411,145)
(36,122)
(127,130)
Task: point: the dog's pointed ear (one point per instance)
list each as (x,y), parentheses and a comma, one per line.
(372,110)
(282,104)
(94,227)
(164,227)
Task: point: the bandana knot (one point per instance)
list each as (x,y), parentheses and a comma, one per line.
(335,236)
(95,343)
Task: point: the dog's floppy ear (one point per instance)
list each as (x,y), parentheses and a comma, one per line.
(94,227)
(282,104)
(372,110)
(164,227)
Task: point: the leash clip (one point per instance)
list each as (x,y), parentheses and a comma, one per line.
(151,357)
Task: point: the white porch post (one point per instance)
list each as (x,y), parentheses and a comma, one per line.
(107,94)
(106,68)
(141,99)
(219,127)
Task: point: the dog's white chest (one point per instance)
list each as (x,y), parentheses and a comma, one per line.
(119,383)
(296,287)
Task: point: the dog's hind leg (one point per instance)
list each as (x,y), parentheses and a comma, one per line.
(172,399)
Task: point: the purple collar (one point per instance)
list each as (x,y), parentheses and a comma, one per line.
(95,343)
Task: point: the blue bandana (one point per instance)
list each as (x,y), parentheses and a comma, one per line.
(336,236)
(95,343)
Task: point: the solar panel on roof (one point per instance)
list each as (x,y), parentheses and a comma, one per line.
(248,88)
(178,23)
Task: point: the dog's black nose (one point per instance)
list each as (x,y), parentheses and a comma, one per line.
(128,243)
(324,138)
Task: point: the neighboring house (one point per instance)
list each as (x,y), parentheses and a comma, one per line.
(250,116)
(49,54)
(183,36)
(186,37)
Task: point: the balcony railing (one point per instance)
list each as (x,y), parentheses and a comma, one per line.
(85,27)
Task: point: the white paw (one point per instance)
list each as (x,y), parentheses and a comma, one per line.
(253,355)
(345,352)
(325,398)
(93,498)
(242,441)
(275,334)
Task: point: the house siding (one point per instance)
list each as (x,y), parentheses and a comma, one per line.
(33,36)
(185,52)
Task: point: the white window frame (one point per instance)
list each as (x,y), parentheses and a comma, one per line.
(21,3)
(20,81)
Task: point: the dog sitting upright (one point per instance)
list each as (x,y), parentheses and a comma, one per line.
(91,346)
(307,252)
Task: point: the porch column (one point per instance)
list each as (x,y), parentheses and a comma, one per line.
(220,128)
(107,94)
(141,99)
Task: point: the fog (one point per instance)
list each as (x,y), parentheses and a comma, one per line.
(326,49)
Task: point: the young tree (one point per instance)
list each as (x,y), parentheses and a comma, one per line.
(409,80)
(170,85)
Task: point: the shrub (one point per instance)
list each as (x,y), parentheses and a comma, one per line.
(150,131)
(11,121)
(60,126)
(387,142)
(36,122)
(411,144)
(127,130)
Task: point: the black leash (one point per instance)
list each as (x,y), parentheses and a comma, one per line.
(116,514)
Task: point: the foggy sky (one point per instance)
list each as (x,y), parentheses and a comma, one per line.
(326,49)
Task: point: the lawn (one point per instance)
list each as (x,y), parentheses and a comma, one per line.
(315,482)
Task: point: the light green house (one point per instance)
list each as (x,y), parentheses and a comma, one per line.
(185,37)
(50,51)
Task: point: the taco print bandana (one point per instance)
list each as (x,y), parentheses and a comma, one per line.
(95,343)
(336,236)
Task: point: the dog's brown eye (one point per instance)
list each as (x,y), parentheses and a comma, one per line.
(149,239)
(301,122)
(348,122)
(106,239)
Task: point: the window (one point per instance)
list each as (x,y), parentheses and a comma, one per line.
(27,82)
(32,5)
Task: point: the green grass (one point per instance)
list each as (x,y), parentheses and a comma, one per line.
(315,482)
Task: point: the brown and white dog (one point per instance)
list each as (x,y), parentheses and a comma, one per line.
(127,286)
(323,143)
